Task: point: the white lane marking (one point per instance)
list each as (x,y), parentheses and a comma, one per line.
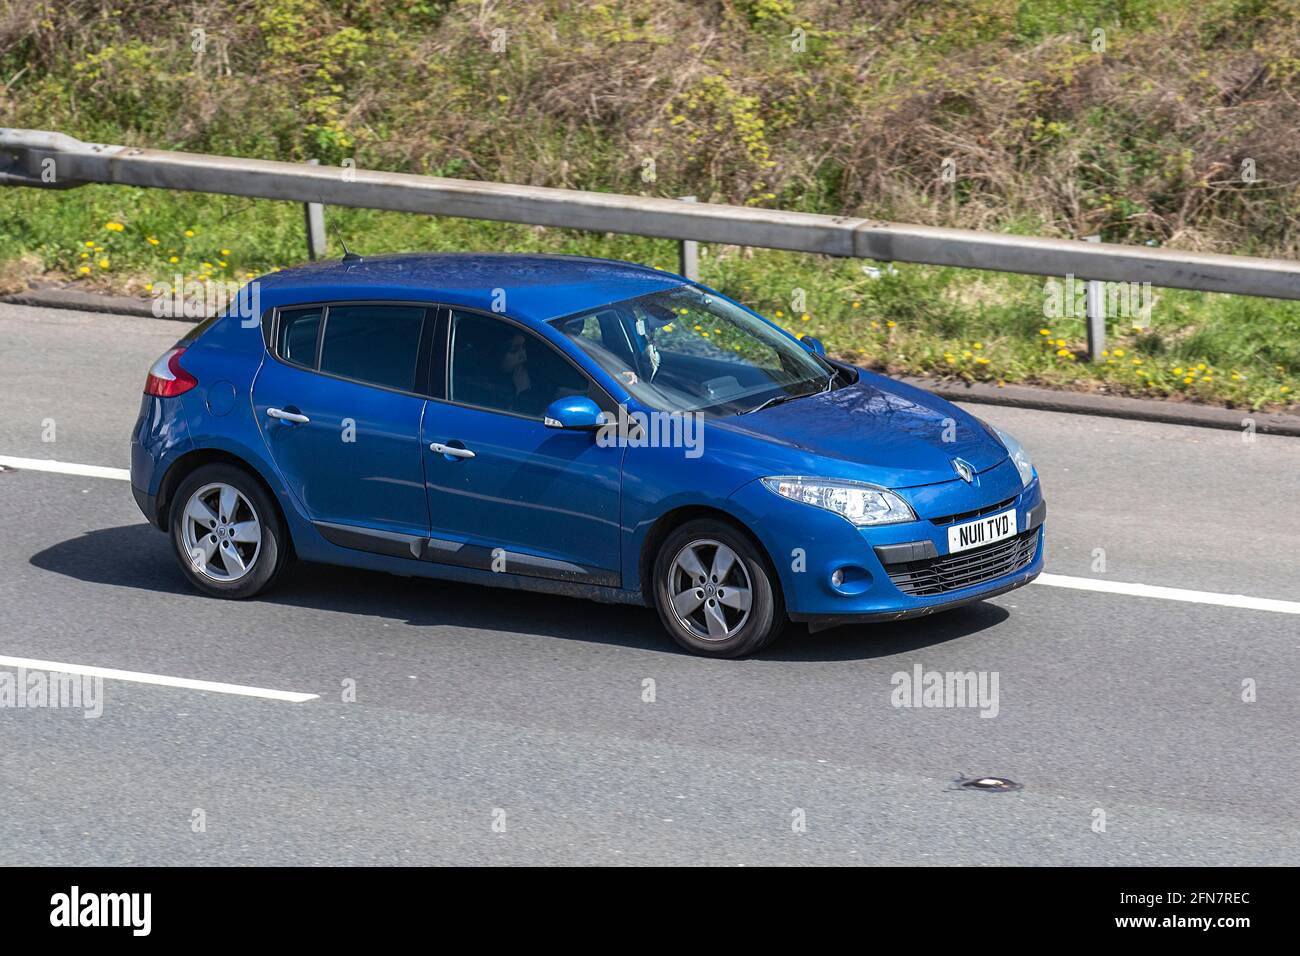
(1051,580)
(1169,594)
(160,680)
(64,468)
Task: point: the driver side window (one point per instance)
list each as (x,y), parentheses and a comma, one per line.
(499,366)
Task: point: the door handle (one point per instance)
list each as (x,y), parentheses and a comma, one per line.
(281,414)
(442,449)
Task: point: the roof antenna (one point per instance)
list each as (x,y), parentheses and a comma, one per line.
(348,254)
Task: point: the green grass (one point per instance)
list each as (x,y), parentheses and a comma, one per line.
(977,326)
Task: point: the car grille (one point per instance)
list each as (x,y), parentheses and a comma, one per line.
(987,510)
(951,572)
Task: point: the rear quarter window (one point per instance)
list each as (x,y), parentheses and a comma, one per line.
(299,330)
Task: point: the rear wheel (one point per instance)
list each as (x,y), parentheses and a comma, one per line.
(714,591)
(227,533)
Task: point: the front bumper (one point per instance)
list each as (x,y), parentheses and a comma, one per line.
(903,570)
(820,622)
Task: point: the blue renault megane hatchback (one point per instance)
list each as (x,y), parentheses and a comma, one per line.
(578,426)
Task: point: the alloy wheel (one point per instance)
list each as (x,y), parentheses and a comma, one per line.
(221,532)
(710,590)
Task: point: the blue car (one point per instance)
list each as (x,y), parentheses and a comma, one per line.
(577,426)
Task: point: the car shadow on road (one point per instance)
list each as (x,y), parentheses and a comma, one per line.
(138,556)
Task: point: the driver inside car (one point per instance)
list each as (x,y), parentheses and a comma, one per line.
(650,319)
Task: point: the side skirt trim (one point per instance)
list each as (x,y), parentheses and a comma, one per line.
(462,555)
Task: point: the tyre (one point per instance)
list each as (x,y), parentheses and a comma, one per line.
(714,591)
(227,532)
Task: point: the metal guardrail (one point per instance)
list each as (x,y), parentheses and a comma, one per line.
(54,160)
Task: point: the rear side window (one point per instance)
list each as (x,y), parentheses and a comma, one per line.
(299,329)
(378,344)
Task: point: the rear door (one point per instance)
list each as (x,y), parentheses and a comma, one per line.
(340,402)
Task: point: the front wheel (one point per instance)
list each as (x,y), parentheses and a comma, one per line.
(227,533)
(714,591)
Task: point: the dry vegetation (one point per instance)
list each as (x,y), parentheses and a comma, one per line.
(1145,140)
(849,108)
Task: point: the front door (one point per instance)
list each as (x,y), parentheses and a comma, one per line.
(506,493)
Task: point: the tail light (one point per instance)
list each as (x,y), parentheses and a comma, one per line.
(167,378)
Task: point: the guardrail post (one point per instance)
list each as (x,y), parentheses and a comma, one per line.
(1096,314)
(689,254)
(315,216)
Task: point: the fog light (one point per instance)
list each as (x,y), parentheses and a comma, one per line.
(848,580)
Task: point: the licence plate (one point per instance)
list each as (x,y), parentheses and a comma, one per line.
(981,531)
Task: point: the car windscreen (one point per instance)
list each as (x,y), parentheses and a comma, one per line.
(683,349)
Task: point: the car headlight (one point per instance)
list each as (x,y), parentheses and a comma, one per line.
(860,503)
(1018,455)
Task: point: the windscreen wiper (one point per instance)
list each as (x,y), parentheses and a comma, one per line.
(778,399)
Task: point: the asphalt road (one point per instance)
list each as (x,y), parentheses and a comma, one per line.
(477,707)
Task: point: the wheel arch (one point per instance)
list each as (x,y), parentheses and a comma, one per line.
(673,519)
(190,462)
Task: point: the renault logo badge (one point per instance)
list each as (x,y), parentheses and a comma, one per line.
(964,470)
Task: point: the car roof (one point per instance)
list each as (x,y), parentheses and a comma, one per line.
(537,287)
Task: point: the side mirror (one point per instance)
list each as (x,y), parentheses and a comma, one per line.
(576,412)
(813,345)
